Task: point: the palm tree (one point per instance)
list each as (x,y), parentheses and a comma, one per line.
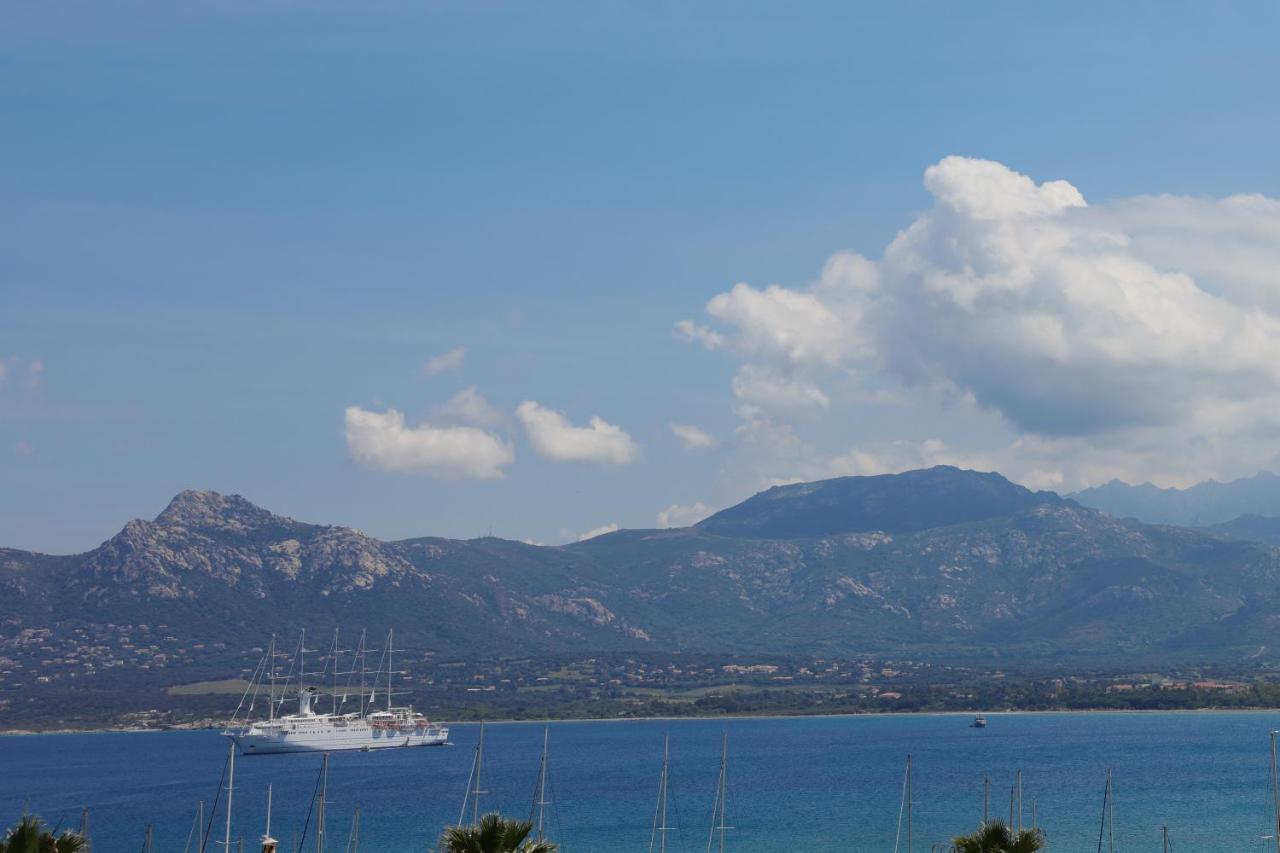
(30,836)
(494,834)
(995,837)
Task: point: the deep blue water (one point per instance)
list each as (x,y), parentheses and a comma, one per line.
(829,783)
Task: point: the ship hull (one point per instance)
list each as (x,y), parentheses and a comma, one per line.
(355,738)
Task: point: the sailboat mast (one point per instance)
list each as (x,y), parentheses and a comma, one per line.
(321,832)
(475,793)
(542,779)
(909,797)
(302,660)
(1275,789)
(903,805)
(271,700)
(231,779)
(1111,816)
(666,772)
(986,798)
(1108,810)
(1019,800)
(333,661)
(389,650)
(146,842)
(363,653)
(718,807)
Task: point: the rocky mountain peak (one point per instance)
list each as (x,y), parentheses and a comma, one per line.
(207,510)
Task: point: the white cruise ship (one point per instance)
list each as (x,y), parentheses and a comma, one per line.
(310,731)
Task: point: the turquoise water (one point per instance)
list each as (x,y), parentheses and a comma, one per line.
(794,784)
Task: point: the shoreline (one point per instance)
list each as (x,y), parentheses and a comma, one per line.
(506,721)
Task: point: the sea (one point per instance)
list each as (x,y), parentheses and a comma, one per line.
(798,783)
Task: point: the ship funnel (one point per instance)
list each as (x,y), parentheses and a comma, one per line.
(304,701)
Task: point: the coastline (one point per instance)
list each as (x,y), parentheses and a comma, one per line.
(1007,712)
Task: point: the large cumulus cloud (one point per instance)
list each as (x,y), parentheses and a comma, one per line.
(1150,321)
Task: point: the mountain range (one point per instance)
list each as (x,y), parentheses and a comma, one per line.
(936,564)
(1204,504)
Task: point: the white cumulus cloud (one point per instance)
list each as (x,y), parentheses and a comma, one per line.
(383,441)
(683,516)
(445,361)
(1144,329)
(554,437)
(691,437)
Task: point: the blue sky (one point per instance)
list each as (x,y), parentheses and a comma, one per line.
(224,225)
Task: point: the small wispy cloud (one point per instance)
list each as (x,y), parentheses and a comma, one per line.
(33,376)
(696,333)
(683,516)
(598,531)
(28,373)
(469,406)
(445,361)
(691,437)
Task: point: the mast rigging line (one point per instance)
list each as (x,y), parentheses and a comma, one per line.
(213,811)
(314,795)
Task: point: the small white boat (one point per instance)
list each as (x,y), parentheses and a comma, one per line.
(979,722)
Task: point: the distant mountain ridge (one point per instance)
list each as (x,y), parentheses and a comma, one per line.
(941,564)
(1255,528)
(891,503)
(1203,504)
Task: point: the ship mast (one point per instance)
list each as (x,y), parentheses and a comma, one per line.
(541,800)
(660,827)
(718,807)
(904,808)
(196,828)
(1275,788)
(302,660)
(321,833)
(271,698)
(473,791)
(986,798)
(353,841)
(268,843)
(389,650)
(1019,784)
(333,662)
(231,778)
(363,653)
(1108,817)
(475,801)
